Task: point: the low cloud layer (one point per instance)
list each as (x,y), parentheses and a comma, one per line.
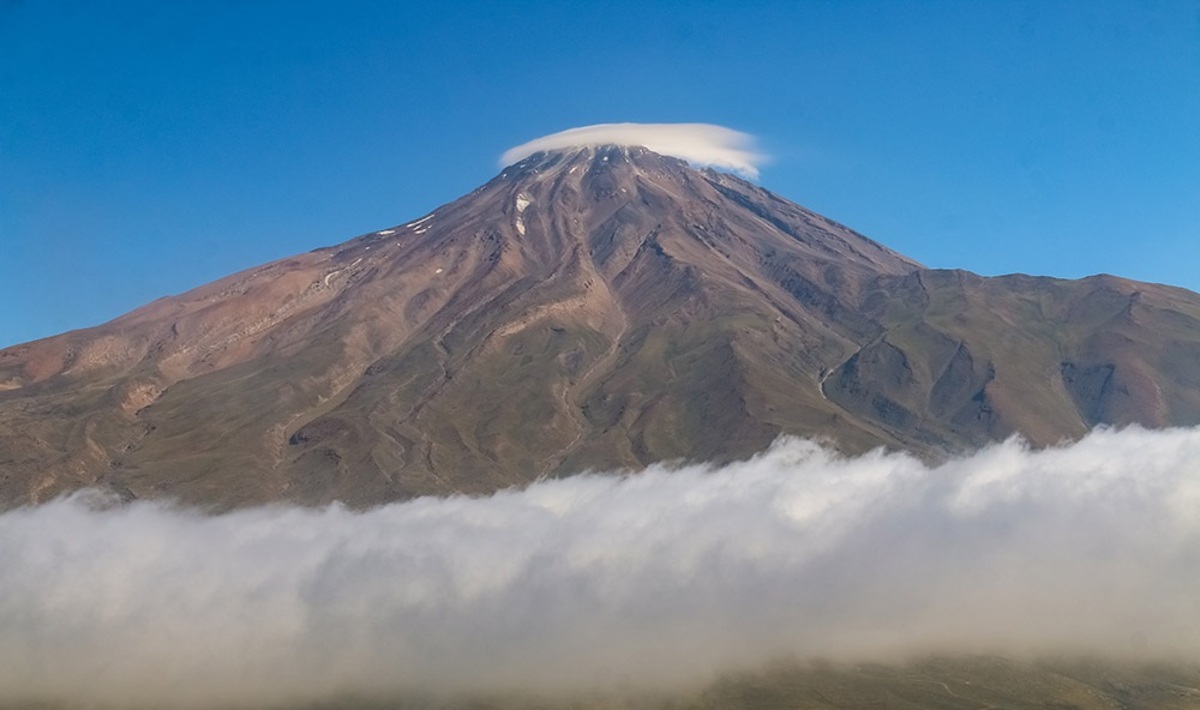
(697,143)
(659,578)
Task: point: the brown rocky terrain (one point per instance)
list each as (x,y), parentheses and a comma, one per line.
(596,308)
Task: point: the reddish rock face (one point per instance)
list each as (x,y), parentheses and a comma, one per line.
(596,308)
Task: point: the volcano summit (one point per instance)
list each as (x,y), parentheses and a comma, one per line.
(592,307)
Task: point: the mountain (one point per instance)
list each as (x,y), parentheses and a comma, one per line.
(588,308)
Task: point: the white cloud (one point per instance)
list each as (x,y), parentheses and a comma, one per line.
(655,578)
(697,143)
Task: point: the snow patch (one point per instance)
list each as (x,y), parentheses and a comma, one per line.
(523,201)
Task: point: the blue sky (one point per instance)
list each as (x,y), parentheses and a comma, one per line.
(147,148)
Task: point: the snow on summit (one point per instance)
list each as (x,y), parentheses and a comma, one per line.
(697,143)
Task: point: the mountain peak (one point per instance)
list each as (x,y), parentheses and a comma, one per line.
(639,193)
(580,160)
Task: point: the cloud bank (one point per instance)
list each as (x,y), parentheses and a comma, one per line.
(697,143)
(658,578)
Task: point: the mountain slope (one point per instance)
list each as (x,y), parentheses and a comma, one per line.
(591,308)
(964,359)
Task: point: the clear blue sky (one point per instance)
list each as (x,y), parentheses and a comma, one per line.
(146,148)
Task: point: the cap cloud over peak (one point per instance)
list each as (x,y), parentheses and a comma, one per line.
(698,143)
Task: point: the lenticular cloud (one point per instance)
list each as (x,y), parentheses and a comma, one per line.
(697,143)
(663,577)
